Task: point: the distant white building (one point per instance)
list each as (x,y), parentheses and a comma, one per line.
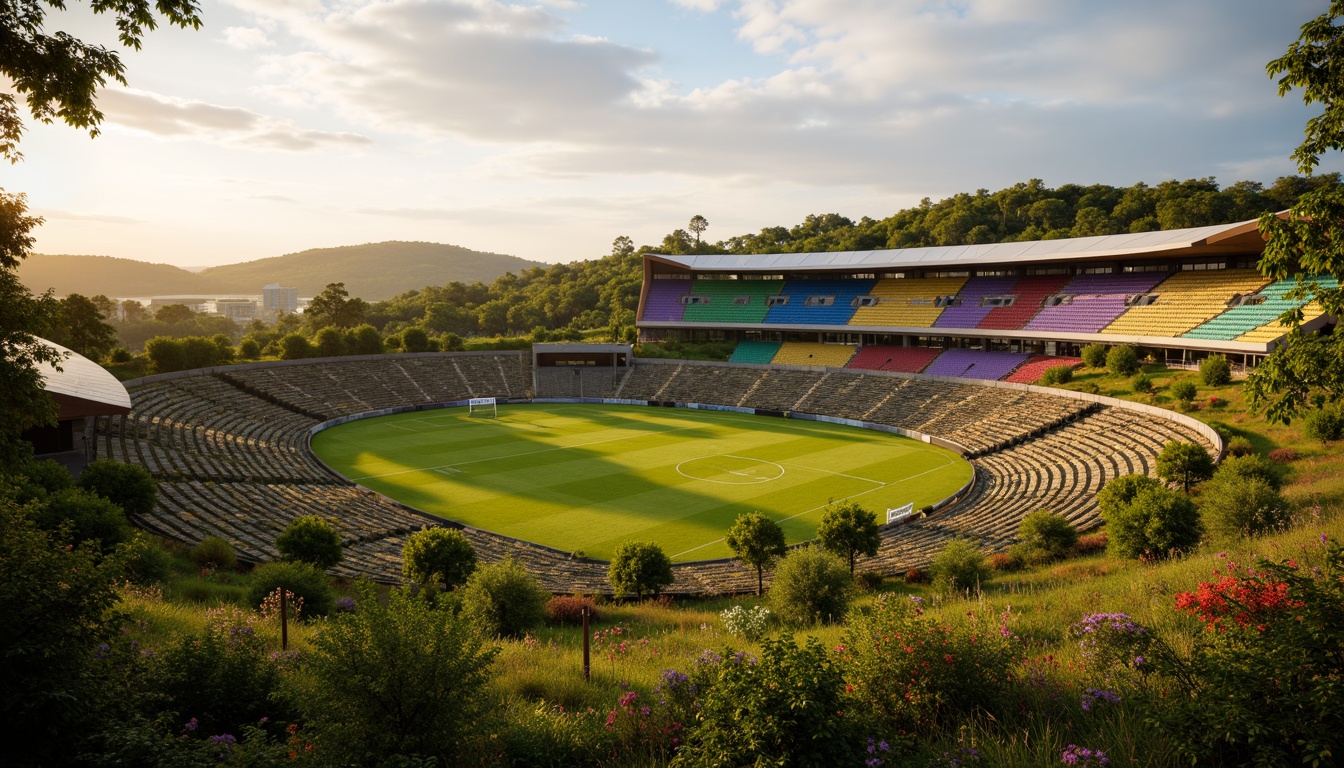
(238,310)
(278,300)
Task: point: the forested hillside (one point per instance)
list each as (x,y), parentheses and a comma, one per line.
(582,294)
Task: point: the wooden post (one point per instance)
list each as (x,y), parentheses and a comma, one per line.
(587,670)
(284,619)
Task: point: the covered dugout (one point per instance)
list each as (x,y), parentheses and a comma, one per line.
(579,370)
(82,389)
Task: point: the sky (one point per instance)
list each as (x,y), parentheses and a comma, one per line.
(547,129)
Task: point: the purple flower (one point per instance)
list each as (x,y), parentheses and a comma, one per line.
(1093,696)
(1084,757)
(1139,661)
(192,724)
(224,739)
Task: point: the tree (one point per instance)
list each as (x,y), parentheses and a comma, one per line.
(414,340)
(1094,355)
(23,401)
(1306,243)
(1156,522)
(80,326)
(129,486)
(334,307)
(364,340)
(1324,424)
(811,586)
(1122,360)
(78,516)
(959,568)
(57,603)
(1047,532)
(757,541)
(504,600)
(639,567)
(174,314)
(310,539)
(698,225)
(439,557)
(849,530)
(394,683)
(622,247)
(329,342)
(294,346)
(1184,463)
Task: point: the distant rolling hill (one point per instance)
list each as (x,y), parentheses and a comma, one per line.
(374,271)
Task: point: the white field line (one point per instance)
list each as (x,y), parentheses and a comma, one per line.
(823,506)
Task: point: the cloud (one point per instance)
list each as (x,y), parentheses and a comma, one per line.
(863,92)
(178,118)
(246,38)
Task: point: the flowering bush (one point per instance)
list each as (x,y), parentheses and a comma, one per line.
(912,673)
(748,623)
(1084,757)
(1263,684)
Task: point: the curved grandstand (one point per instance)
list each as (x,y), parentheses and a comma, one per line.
(229,448)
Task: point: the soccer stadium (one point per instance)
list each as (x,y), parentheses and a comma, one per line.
(896,378)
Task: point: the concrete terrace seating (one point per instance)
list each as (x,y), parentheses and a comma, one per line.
(813,353)
(902,359)
(1259,322)
(841,294)
(1031,450)
(664,299)
(1186,300)
(566,381)
(1096,301)
(907,303)
(970,364)
(970,312)
(754,352)
(1029,293)
(1030,372)
(731,301)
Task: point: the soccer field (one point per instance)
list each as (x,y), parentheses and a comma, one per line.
(588,477)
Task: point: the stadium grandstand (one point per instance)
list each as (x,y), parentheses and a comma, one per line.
(997,311)
(83,390)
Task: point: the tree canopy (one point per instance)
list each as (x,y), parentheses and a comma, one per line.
(757,541)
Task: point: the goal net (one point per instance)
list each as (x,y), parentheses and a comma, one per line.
(482,406)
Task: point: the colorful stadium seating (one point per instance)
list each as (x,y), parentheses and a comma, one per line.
(731,301)
(664,299)
(971,364)
(1029,293)
(754,352)
(1030,371)
(1096,301)
(813,353)
(1186,300)
(903,359)
(840,293)
(969,312)
(907,303)
(1258,322)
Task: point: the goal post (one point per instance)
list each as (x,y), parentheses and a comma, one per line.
(482,406)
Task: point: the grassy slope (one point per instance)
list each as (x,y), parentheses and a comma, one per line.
(588,477)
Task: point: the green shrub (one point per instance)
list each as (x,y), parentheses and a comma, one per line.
(248,349)
(959,568)
(1142,382)
(639,567)
(1122,360)
(310,539)
(786,708)
(811,586)
(40,478)
(119,356)
(1094,355)
(364,340)
(295,346)
(147,562)
(214,552)
(329,342)
(422,678)
(935,675)
(299,579)
(1155,523)
(504,600)
(1215,371)
(1122,490)
(129,486)
(441,557)
(76,515)
(1255,466)
(1044,530)
(1056,374)
(414,340)
(1239,446)
(1324,424)
(1236,505)
(1184,391)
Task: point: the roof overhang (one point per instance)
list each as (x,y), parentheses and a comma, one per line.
(82,387)
(1225,239)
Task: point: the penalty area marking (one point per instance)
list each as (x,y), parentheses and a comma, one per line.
(749,477)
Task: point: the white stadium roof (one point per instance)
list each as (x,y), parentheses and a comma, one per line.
(1242,237)
(82,387)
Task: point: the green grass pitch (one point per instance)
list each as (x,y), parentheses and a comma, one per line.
(587,477)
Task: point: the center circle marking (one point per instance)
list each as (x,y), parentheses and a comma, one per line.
(727,469)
